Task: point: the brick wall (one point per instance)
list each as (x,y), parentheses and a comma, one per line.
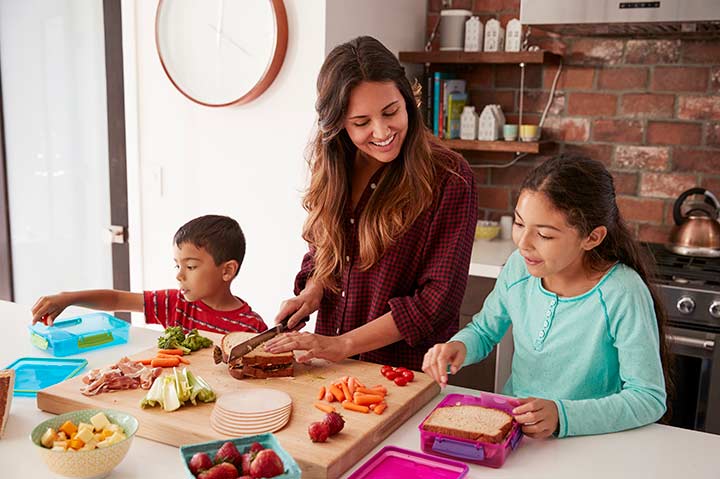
(648,109)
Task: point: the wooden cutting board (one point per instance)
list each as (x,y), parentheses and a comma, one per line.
(191,424)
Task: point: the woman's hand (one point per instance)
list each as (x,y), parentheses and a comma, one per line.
(301,306)
(442,355)
(47,308)
(538,417)
(332,348)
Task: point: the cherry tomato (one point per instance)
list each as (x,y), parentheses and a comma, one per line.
(385,369)
(401,369)
(391,374)
(407,374)
(401,380)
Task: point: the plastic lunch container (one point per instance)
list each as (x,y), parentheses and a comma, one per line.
(395,462)
(79,334)
(486,454)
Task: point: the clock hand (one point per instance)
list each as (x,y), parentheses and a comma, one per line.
(218,29)
(229,39)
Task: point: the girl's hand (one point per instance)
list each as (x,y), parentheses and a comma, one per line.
(47,308)
(538,417)
(301,306)
(331,348)
(437,359)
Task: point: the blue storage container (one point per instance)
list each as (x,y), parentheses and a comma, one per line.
(267,440)
(80,334)
(34,374)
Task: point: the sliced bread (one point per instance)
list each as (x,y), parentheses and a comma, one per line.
(7,381)
(476,423)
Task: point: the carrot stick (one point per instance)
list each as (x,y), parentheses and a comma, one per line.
(377,391)
(339,395)
(329,396)
(146,362)
(354,407)
(164,362)
(174,352)
(324,407)
(351,385)
(379,408)
(346,392)
(321,393)
(170,356)
(365,399)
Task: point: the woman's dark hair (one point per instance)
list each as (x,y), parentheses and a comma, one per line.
(220,236)
(584,191)
(407,185)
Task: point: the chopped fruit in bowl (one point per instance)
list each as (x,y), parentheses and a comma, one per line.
(85,444)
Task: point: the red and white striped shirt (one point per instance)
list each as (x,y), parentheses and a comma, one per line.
(169,308)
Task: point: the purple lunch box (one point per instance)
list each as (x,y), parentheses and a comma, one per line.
(486,454)
(392,462)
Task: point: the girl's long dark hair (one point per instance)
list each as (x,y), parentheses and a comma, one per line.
(584,190)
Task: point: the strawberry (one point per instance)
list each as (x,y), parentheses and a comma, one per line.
(246,461)
(266,464)
(318,431)
(228,453)
(200,462)
(335,422)
(224,470)
(255,448)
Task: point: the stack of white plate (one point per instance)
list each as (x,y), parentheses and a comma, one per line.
(251,411)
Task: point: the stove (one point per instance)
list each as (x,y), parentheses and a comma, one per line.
(689,288)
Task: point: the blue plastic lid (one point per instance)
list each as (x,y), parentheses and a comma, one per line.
(392,462)
(79,334)
(34,374)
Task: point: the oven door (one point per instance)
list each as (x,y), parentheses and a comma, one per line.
(696,373)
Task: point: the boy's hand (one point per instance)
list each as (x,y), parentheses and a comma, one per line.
(538,417)
(442,355)
(47,308)
(301,306)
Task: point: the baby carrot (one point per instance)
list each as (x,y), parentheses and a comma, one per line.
(170,356)
(379,408)
(164,362)
(365,399)
(354,407)
(174,352)
(321,393)
(346,391)
(146,362)
(329,395)
(351,384)
(378,391)
(324,407)
(339,395)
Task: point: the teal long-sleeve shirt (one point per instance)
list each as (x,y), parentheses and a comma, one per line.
(595,355)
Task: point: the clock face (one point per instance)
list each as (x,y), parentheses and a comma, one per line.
(221,52)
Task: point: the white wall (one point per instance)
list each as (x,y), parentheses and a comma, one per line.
(243,161)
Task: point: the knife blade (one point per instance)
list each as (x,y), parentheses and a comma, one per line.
(240,350)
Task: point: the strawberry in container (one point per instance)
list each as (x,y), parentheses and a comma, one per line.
(478,429)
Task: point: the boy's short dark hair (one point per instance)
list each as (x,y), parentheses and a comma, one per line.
(220,236)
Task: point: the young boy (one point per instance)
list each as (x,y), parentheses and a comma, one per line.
(208,252)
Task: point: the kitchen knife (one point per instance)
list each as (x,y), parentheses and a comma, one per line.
(240,350)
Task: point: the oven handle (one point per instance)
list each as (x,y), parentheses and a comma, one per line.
(707,344)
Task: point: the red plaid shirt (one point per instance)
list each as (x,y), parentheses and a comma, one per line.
(421,277)
(169,308)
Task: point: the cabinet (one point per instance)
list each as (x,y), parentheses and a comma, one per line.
(464,61)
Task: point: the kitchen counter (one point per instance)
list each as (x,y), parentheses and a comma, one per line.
(652,451)
(488,257)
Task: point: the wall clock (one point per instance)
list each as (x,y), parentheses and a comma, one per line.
(221,52)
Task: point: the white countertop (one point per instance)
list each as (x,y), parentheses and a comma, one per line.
(652,451)
(488,257)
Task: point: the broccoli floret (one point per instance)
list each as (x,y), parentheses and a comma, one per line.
(173,338)
(194,341)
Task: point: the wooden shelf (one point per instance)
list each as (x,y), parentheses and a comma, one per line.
(540,56)
(508,146)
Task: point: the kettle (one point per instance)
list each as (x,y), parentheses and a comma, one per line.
(697,231)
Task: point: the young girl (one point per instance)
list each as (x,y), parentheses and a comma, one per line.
(586,325)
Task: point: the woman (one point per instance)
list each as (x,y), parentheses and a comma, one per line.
(391,220)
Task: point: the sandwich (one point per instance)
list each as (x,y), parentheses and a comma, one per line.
(258,363)
(7,379)
(475,423)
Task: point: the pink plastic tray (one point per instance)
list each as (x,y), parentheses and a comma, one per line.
(397,463)
(486,454)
